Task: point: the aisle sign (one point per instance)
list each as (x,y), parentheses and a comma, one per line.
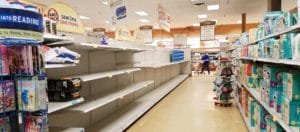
(66,18)
(207,30)
(119,10)
(164,19)
(17,23)
(122,33)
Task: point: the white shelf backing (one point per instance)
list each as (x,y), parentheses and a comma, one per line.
(275,115)
(109,47)
(295,28)
(274,61)
(49,66)
(94,104)
(159,65)
(55,38)
(56,106)
(122,119)
(95,76)
(58,129)
(242,112)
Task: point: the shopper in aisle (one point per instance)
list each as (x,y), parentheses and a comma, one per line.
(206,61)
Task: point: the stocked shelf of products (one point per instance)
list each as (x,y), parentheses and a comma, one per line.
(56,106)
(125,117)
(273,61)
(95,76)
(159,65)
(242,112)
(275,115)
(295,28)
(49,66)
(97,103)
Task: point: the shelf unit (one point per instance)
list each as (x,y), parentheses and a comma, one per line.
(275,115)
(72,129)
(295,28)
(97,103)
(100,75)
(49,66)
(56,106)
(273,61)
(159,65)
(242,112)
(125,117)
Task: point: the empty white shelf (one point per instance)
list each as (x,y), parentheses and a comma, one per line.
(159,65)
(122,119)
(51,37)
(56,106)
(49,66)
(97,103)
(108,47)
(95,76)
(59,129)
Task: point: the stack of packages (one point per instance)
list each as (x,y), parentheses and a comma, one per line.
(64,89)
(177,55)
(61,55)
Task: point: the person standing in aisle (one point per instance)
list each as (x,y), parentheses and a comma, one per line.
(206,61)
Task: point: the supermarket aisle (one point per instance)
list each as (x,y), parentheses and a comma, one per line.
(190,108)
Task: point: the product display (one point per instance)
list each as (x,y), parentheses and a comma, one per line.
(60,55)
(64,89)
(177,55)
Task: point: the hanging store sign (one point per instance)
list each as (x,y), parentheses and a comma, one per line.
(66,18)
(164,19)
(122,33)
(207,30)
(119,9)
(23,24)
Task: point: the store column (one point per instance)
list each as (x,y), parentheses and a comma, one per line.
(274,5)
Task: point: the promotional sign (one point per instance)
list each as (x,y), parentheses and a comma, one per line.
(122,33)
(207,30)
(164,19)
(66,18)
(17,23)
(119,9)
(180,40)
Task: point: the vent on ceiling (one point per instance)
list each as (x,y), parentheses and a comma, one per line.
(198,2)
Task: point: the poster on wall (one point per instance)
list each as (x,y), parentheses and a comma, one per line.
(67,20)
(122,33)
(119,10)
(207,30)
(164,19)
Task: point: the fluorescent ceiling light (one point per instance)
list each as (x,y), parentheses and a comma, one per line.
(196,24)
(104,2)
(107,22)
(88,28)
(141,13)
(156,27)
(84,17)
(239,22)
(202,16)
(144,20)
(213,7)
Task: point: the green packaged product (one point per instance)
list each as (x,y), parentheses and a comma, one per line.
(291,85)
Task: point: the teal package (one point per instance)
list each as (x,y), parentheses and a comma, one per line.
(286,45)
(252,105)
(273,126)
(277,96)
(250,82)
(291,85)
(290,111)
(259,117)
(269,48)
(261,49)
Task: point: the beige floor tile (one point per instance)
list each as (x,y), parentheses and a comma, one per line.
(190,108)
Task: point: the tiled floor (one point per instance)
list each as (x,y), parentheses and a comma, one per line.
(190,108)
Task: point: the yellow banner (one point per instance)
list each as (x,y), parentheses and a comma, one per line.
(67,19)
(13,33)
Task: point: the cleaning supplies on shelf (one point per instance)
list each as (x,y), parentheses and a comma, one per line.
(61,55)
(63,89)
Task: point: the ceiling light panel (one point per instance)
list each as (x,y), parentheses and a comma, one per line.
(196,24)
(202,16)
(141,13)
(84,17)
(213,7)
(144,20)
(239,22)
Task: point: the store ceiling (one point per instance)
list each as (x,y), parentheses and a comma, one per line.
(182,11)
